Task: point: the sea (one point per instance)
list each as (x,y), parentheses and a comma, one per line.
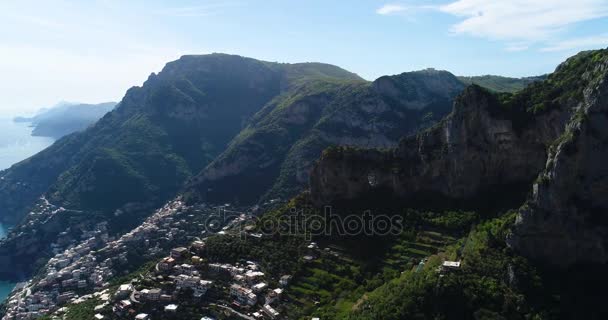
(5,286)
(16,144)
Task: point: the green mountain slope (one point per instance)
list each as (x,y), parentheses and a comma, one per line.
(273,155)
(543,260)
(161,134)
(531,164)
(139,155)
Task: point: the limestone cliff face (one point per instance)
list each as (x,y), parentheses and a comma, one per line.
(473,148)
(553,136)
(566,220)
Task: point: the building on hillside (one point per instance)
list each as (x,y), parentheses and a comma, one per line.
(122,307)
(273,296)
(64,297)
(259,287)
(185,269)
(243,295)
(198,247)
(284,281)
(252,276)
(166,264)
(124,290)
(179,253)
(450,266)
(270,311)
(149,294)
(171,308)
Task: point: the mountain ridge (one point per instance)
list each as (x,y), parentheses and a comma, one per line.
(163,133)
(66,118)
(318,115)
(542,147)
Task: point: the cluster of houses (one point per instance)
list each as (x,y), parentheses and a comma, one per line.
(184,269)
(88,265)
(73,269)
(249,289)
(179,270)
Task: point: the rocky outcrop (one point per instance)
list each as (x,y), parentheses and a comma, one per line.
(566,220)
(472,149)
(551,138)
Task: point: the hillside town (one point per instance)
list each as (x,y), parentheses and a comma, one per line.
(86,270)
(88,265)
(183,279)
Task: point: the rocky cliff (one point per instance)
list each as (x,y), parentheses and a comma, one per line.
(566,220)
(474,148)
(556,127)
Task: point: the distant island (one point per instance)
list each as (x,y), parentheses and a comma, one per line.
(65,118)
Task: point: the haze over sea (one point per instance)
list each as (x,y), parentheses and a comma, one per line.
(16,144)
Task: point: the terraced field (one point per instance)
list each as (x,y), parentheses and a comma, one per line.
(338,279)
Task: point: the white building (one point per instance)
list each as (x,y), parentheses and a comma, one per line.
(171,308)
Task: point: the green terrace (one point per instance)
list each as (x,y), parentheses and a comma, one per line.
(339,280)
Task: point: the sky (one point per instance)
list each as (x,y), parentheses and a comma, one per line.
(93,51)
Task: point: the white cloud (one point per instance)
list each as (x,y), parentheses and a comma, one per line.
(528,20)
(400,9)
(520,23)
(388,9)
(578,43)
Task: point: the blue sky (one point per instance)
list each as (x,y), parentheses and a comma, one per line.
(93,51)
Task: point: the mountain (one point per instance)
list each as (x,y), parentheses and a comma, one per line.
(500,83)
(160,134)
(272,156)
(543,258)
(139,155)
(495,211)
(245,122)
(489,141)
(531,164)
(66,118)
(527,165)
